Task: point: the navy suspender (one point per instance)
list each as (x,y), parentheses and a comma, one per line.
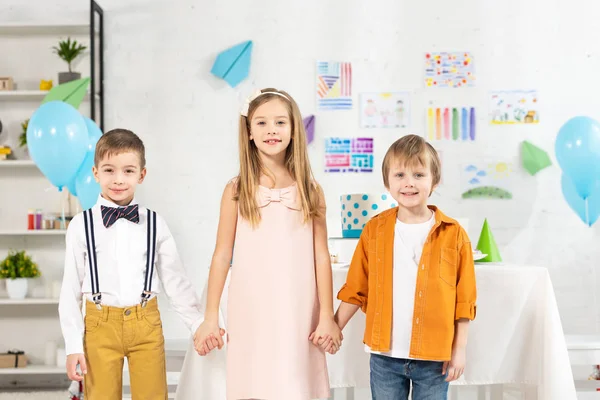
(93,261)
(151,251)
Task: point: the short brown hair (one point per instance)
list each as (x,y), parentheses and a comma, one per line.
(412,150)
(119,141)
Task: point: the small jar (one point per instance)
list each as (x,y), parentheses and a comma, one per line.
(48,222)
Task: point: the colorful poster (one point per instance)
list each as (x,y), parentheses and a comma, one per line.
(384,110)
(334,85)
(349,155)
(453,70)
(487,180)
(514,107)
(451,123)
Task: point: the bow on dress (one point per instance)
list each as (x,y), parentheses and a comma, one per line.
(287,196)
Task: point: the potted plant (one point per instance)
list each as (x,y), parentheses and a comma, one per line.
(17,268)
(23,135)
(68,50)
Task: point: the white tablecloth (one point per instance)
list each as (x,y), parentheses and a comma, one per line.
(516,338)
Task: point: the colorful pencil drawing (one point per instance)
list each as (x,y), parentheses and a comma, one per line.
(451,123)
(485,180)
(349,155)
(384,110)
(514,107)
(334,85)
(449,69)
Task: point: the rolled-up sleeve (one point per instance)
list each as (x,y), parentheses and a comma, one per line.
(466,288)
(355,290)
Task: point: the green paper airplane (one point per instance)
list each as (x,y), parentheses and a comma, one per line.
(534,158)
(71,92)
(487,244)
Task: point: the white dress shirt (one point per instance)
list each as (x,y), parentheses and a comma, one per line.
(121,260)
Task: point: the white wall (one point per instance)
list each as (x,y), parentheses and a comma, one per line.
(158,57)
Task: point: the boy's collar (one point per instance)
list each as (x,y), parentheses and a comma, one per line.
(440,216)
(107,203)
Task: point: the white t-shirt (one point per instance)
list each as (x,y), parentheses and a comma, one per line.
(408,245)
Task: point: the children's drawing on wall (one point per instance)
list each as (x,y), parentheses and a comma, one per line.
(384,110)
(514,107)
(334,85)
(349,154)
(454,69)
(487,180)
(451,123)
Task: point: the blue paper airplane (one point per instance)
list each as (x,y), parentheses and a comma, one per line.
(233,64)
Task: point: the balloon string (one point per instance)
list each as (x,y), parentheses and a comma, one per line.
(587,213)
(63,223)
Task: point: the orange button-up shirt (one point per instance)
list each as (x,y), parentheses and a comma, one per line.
(445,290)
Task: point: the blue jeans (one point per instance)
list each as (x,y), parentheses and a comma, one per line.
(391,379)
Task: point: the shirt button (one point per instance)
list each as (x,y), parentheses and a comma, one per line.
(417,321)
(420,293)
(423,266)
(127,312)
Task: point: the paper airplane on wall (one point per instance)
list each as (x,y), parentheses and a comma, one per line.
(534,158)
(309,127)
(71,92)
(487,244)
(233,64)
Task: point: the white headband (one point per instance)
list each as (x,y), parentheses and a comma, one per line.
(244,111)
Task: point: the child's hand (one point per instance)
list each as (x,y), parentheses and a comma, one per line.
(456,366)
(207,337)
(328,336)
(72,361)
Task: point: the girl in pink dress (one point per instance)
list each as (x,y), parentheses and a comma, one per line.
(280,304)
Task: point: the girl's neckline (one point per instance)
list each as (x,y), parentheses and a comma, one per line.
(287,187)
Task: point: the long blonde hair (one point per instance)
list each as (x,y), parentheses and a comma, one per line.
(296,162)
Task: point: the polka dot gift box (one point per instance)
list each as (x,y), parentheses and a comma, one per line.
(359,208)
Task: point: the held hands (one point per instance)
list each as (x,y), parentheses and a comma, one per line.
(456,366)
(328,336)
(72,361)
(208,336)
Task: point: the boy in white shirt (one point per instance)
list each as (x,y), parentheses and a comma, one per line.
(116,253)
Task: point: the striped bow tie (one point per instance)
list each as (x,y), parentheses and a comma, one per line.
(110,215)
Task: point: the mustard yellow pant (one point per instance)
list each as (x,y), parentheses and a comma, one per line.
(113,333)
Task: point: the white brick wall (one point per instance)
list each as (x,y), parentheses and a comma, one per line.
(158,57)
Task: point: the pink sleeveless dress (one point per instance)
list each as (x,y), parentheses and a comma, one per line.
(273,306)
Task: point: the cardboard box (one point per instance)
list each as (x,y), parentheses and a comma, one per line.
(13,359)
(6,83)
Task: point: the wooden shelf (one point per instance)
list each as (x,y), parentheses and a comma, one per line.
(29,28)
(27,301)
(34,370)
(35,232)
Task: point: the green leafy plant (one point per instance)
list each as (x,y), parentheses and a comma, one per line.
(18,265)
(69,50)
(23,136)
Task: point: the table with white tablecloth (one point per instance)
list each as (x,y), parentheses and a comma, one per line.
(517,337)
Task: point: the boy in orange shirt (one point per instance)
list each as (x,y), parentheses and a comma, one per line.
(413,275)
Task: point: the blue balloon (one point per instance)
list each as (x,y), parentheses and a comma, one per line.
(87,188)
(57,140)
(589,209)
(94,133)
(71,187)
(577,150)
